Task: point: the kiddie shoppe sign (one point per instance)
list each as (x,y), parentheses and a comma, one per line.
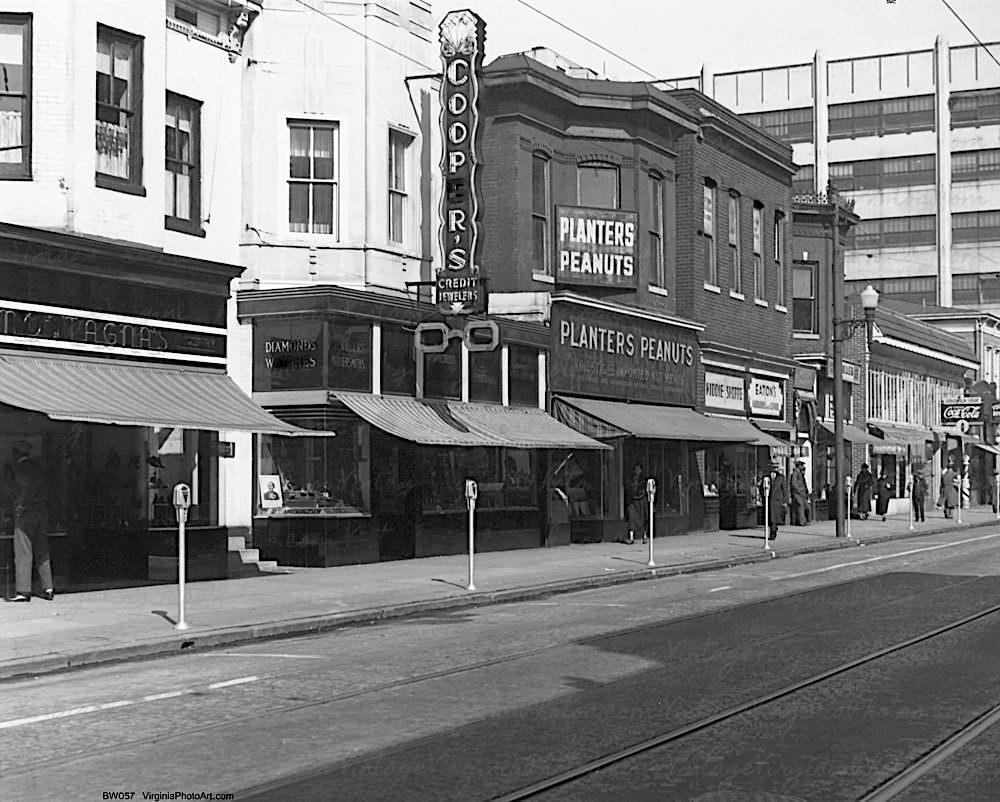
(596,247)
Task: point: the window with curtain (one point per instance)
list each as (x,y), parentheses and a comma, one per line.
(541,203)
(15,95)
(657,266)
(804,318)
(734,242)
(597,185)
(779,261)
(758,248)
(708,227)
(183,164)
(398,144)
(313,201)
(119,110)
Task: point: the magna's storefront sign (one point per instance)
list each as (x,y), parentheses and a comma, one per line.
(458,285)
(596,247)
(600,352)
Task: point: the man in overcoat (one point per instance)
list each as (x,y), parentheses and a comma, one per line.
(775,497)
(800,495)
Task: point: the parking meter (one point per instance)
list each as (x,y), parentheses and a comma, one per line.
(766,488)
(651,496)
(182,501)
(471,494)
(650,489)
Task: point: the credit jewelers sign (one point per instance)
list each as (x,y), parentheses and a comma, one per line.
(621,356)
(458,287)
(596,247)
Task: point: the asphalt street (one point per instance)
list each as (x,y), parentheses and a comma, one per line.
(475,703)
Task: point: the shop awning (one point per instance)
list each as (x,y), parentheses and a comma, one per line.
(658,423)
(853,434)
(133,394)
(988,447)
(453,423)
(754,436)
(899,438)
(770,425)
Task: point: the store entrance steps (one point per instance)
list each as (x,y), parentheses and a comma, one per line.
(247,562)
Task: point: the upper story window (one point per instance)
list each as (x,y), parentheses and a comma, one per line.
(119,110)
(758,248)
(657,265)
(888,232)
(804,181)
(183,164)
(975,108)
(313,198)
(975,165)
(779,261)
(877,117)
(15,95)
(708,227)
(734,242)
(399,142)
(597,185)
(541,203)
(804,318)
(791,125)
(901,171)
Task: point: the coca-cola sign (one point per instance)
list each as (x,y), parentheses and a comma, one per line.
(969,410)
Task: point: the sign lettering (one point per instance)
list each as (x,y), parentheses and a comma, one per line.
(767,398)
(725,391)
(596,247)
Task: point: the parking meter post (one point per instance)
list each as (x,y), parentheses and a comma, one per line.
(909,495)
(767,524)
(996,496)
(182,503)
(847,504)
(651,496)
(471,494)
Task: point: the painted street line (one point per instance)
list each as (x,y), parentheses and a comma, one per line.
(270,654)
(887,557)
(724,587)
(79,711)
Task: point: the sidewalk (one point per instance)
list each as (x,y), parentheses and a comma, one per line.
(80,629)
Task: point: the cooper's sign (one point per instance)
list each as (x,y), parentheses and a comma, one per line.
(459,290)
(596,247)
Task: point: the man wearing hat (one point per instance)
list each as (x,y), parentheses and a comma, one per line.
(25,483)
(776,498)
(800,495)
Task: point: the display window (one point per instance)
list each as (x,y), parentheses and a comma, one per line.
(288,354)
(667,462)
(350,355)
(443,373)
(484,376)
(316,475)
(507,478)
(399,366)
(523,375)
(588,483)
(175,456)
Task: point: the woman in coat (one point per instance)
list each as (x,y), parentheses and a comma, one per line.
(949,489)
(883,492)
(863,487)
(918,492)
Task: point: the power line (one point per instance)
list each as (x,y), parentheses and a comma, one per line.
(981,43)
(588,40)
(363,35)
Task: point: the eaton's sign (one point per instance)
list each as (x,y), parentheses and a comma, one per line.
(459,290)
(596,247)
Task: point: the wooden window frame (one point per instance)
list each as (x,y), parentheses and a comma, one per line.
(21,170)
(133,183)
(172,222)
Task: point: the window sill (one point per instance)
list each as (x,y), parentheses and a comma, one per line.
(18,176)
(713,288)
(655,289)
(545,278)
(760,303)
(739,296)
(182,226)
(118,185)
(804,335)
(780,308)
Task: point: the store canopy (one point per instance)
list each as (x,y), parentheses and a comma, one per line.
(853,434)
(899,438)
(659,423)
(132,394)
(988,447)
(453,423)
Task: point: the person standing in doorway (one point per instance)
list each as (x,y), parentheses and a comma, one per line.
(949,489)
(863,487)
(918,493)
(883,492)
(775,496)
(28,494)
(635,492)
(800,495)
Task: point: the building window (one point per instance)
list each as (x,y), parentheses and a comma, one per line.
(779,261)
(975,108)
(541,203)
(804,317)
(119,110)
(15,95)
(975,165)
(893,231)
(803,183)
(657,267)
(183,163)
(597,185)
(313,176)
(735,251)
(758,248)
(708,227)
(871,174)
(878,117)
(523,375)
(983,226)
(791,125)
(398,143)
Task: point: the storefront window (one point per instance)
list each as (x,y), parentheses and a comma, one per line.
(443,373)
(666,462)
(587,481)
(399,368)
(316,475)
(288,355)
(350,355)
(523,375)
(507,478)
(178,456)
(484,376)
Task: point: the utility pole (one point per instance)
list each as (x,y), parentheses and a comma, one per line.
(837,286)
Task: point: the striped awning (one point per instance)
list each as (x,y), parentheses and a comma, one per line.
(454,423)
(853,434)
(133,394)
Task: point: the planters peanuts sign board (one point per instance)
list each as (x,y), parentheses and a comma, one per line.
(596,247)
(457,284)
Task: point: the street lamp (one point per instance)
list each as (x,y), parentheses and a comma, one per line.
(846,328)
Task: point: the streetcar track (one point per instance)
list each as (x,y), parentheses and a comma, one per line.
(605,761)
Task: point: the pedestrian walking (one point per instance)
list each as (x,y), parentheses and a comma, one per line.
(775,496)
(918,493)
(883,492)
(25,487)
(800,495)
(638,514)
(948,497)
(863,487)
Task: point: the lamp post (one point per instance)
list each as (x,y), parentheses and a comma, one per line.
(844,329)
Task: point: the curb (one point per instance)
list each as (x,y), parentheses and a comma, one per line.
(246,633)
